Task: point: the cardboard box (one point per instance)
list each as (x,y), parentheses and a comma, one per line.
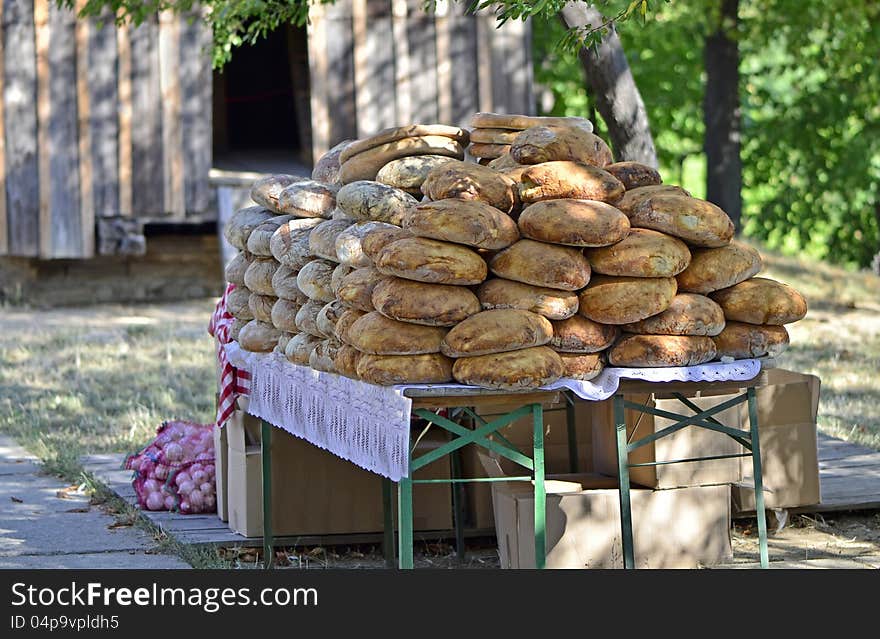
(478,497)
(687,443)
(677,528)
(787,411)
(221,472)
(317,493)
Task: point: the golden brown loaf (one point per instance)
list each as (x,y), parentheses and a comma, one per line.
(236,267)
(300,347)
(377,239)
(387,370)
(549,144)
(235,329)
(314,279)
(515,121)
(712,269)
(761,301)
(582,366)
(469,222)
(634,174)
(261,307)
(420,303)
(284,285)
(323,356)
(338,275)
(581,335)
(265,191)
(643,253)
(497,331)
(742,341)
(424,260)
(364,200)
(541,264)
(395,134)
(552,303)
(238,303)
(346,361)
(327,318)
(322,239)
(574,222)
(348,317)
(469,181)
(374,333)
(493,136)
(622,300)
(308,199)
(632,198)
(356,288)
(290,243)
(410,172)
(284,315)
(697,222)
(258,337)
(525,369)
(306,319)
(349,249)
(238,228)
(688,314)
(503,163)
(487,151)
(365,165)
(258,240)
(661,350)
(327,167)
(258,276)
(566,179)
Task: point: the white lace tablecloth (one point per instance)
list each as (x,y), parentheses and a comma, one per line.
(369,425)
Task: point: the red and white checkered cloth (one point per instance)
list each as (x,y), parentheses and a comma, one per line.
(233,382)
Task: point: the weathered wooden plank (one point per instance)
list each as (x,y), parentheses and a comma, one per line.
(499,56)
(443,35)
(340,73)
(464,71)
(402,78)
(484,61)
(318,65)
(517,67)
(422,45)
(20,100)
(373,65)
(126,113)
(83,106)
(102,86)
(4,231)
(147,160)
(172,131)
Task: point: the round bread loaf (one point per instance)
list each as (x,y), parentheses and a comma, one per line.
(346,361)
(356,288)
(235,329)
(410,172)
(497,331)
(398,133)
(258,276)
(567,179)
(364,200)
(283,341)
(300,348)
(261,307)
(420,303)
(377,239)
(623,300)
(290,243)
(494,136)
(743,341)
(327,167)
(504,163)
(552,143)
(643,253)
(712,269)
(366,164)
(582,366)
(574,222)
(323,357)
(346,319)
(374,333)
(314,279)
(239,227)
(688,314)
(306,319)
(581,335)
(283,315)
(468,222)
(238,303)
(265,191)
(308,199)
(469,181)
(518,122)
(541,264)
(322,239)
(552,303)
(258,337)
(424,260)
(697,222)
(237,266)
(761,301)
(634,174)
(656,351)
(488,151)
(284,285)
(338,275)
(349,249)
(327,318)
(260,237)
(339,214)
(632,198)
(526,369)
(388,370)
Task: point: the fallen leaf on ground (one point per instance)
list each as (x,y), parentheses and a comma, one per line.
(17,500)
(78,510)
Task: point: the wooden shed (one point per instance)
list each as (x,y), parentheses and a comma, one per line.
(106,130)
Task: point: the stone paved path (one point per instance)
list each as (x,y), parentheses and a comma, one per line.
(44,526)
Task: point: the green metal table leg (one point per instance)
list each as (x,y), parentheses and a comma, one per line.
(540,488)
(759,479)
(626,526)
(457,504)
(266,457)
(405,522)
(571,425)
(388,518)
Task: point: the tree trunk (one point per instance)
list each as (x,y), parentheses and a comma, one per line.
(721,115)
(613,89)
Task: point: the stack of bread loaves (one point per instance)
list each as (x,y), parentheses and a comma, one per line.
(493,133)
